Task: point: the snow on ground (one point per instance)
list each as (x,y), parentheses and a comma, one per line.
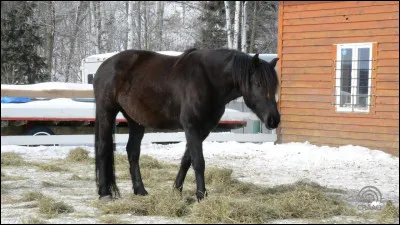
(347,167)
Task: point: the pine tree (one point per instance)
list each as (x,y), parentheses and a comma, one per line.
(20,62)
(213,34)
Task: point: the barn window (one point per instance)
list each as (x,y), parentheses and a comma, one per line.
(353,77)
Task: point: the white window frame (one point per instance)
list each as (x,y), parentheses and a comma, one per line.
(354,76)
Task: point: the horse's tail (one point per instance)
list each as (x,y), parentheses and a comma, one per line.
(96,151)
(110,174)
(113,185)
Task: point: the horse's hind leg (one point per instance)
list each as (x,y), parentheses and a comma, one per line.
(136,133)
(185,165)
(195,138)
(105,174)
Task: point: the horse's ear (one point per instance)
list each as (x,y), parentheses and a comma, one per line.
(273,62)
(256,60)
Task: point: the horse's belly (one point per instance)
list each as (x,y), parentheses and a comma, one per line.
(157,118)
(156,121)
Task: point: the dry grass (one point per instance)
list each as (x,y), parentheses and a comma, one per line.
(152,171)
(50,167)
(388,214)
(12,159)
(31,196)
(229,201)
(5,177)
(110,220)
(33,220)
(75,177)
(79,155)
(162,203)
(49,184)
(288,202)
(51,208)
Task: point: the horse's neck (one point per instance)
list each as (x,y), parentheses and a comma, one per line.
(232,96)
(223,79)
(232,92)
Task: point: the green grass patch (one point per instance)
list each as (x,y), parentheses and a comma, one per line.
(12,159)
(228,201)
(51,208)
(79,155)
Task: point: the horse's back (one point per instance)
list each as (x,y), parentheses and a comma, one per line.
(141,84)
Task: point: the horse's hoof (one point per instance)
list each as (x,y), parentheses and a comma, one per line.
(140,191)
(106,198)
(200,195)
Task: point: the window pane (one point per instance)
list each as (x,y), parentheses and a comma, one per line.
(363,81)
(345,74)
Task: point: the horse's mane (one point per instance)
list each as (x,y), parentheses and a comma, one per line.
(244,67)
(184,54)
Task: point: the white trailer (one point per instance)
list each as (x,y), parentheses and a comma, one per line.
(91,63)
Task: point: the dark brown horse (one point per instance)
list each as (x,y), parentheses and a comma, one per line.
(188,92)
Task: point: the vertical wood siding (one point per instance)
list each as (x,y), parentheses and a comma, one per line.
(307,34)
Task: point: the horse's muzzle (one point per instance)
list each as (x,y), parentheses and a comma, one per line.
(272,122)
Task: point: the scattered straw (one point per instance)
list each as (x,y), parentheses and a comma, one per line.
(388,214)
(48,167)
(79,155)
(12,159)
(51,208)
(33,220)
(31,196)
(110,220)
(229,200)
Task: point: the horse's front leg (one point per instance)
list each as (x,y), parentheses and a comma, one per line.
(195,148)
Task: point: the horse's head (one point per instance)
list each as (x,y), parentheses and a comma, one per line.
(260,89)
